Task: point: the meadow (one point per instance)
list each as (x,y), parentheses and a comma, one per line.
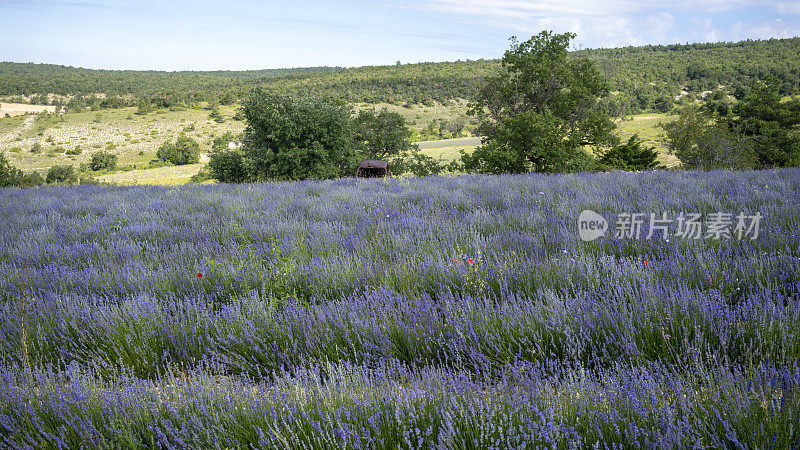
(135,139)
(451,312)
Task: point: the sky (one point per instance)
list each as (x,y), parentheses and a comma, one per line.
(249,34)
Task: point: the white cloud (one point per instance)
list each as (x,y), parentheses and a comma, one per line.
(621,22)
(764,30)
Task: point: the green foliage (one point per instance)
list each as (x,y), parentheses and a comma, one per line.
(228,166)
(61,174)
(36,148)
(772,124)
(646,78)
(32,179)
(203,175)
(632,155)
(380,135)
(416,163)
(220,143)
(216,115)
(185,150)
(144,107)
(12,176)
(293,139)
(103,161)
(9,175)
(77,150)
(540,109)
(699,142)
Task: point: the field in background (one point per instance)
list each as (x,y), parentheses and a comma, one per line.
(18,109)
(646,126)
(135,139)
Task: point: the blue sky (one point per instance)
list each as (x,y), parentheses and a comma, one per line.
(245,34)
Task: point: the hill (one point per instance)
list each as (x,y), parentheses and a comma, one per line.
(645,79)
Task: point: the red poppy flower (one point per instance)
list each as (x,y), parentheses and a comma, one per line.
(645,263)
(200,275)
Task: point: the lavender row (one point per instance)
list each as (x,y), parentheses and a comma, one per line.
(344,406)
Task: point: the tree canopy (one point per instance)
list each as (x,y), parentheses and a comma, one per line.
(296,138)
(540,110)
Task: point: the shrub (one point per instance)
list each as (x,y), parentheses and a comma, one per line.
(220,143)
(61,174)
(630,156)
(103,161)
(75,151)
(228,166)
(417,163)
(32,179)
(9,175)
(216,115)
(36,148)
(203,175)
(185,150)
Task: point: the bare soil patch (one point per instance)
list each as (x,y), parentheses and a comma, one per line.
(18,109)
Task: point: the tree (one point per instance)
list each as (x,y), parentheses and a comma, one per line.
(61,174)
(144,106)
(228,166)
(103,161)
(381,135)
(9,175)
(220,143)
(30,180)
(701,143)
(296,138)
(771,123)
(540,109)
(185,150)
(632,155)
(216,114)
(417,163)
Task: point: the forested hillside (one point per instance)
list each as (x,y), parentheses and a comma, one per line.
(648,78)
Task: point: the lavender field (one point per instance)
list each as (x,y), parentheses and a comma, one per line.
(454,312)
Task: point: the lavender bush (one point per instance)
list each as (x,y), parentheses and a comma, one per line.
(439,312)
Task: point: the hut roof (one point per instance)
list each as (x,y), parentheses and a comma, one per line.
(373,163)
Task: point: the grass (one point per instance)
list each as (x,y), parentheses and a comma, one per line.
(135,139)
(163,175)
(419,116)
(128,134)
(8,124)
(447,154)
(646,126)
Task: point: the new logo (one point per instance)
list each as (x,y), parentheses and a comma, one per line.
(591,225)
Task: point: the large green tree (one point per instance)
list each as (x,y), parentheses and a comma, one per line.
(540,109)
(700,142)
(296,138)
(772,124)
(381,135)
